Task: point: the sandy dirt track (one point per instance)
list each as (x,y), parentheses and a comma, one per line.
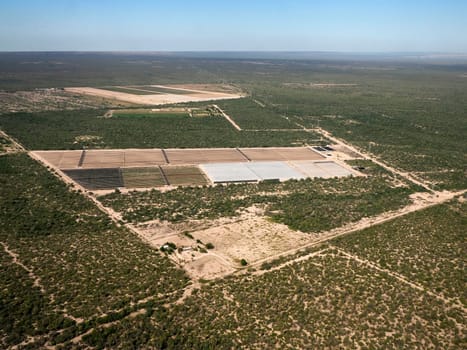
(156,99)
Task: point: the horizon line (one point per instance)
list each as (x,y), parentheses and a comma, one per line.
(240,51)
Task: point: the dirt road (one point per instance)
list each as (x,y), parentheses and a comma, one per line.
(422,201)
(230,120)
(405,175)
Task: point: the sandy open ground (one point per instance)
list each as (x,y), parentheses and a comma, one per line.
(156,98)
(253,239)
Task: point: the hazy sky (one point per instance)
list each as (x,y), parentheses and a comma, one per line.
(328,25)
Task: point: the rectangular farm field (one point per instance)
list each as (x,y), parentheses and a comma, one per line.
(196,156)
(184,175)
(96,179)
(143,177)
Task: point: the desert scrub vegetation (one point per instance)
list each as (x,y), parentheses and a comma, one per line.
(248,114)
(4,144)
(434,150)
(412,117)
(60,130)
(86,265)
(307,205)
(24,310)
(328,301)
(428,247)
(39,100)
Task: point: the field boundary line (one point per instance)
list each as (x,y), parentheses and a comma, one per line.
(81,159)
(230,120)
(243,154)
(166,180)
(399,277)
(164,154)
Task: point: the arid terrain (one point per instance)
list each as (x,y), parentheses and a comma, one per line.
(300,205)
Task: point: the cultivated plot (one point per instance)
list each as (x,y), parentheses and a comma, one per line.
(153,94)
(102,159)
(96,179)
(184,175)
(180,166)
(204,155)
(281,153)
(143,177)
(138,158)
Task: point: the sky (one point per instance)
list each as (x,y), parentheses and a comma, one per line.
(234,25)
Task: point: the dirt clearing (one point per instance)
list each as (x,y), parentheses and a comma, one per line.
(253,239)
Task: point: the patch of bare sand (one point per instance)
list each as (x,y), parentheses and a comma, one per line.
(346,152)
(208,266)
(252,239)
(158,233)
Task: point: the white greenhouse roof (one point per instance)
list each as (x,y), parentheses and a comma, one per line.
(271,170)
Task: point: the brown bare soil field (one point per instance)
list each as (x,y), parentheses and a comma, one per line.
(143,157)
(204,155)
(60,159)
(52,157)
(284,154)
(103,159)
(155,99)
(152,157)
